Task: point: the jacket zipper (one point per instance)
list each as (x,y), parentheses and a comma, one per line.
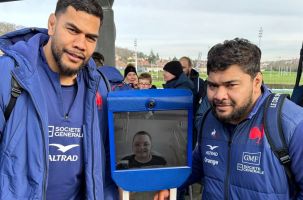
(230,140)
(226,185)
(93,152)
(44,145)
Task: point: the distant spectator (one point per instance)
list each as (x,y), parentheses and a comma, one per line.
(98,58)
(175,78)
(115,78)
(193,75)
(130,76)
(145,81)
(201,103)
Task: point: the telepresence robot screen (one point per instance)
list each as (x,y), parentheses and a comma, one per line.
(151,139)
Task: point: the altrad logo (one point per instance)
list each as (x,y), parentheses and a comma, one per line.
(64,148)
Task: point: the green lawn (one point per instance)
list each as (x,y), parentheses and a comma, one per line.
(271,78)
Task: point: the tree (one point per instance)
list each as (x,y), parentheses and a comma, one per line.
(152,58)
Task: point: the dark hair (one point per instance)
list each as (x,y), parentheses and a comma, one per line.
(145,76)
(98,58)
(89,6)
(188,60)
(234,52)
(142,133)
(129,68)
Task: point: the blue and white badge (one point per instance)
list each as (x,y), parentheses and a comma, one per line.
(150,138)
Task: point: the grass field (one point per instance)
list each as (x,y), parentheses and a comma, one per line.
(273,78)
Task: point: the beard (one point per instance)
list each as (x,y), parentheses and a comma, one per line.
(237,114)
(64,69)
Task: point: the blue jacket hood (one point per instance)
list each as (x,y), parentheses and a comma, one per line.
(111,73)
(23,43)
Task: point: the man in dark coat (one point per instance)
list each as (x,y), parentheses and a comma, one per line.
(175,78)
(193,75)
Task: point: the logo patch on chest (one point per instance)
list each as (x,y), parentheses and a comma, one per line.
(251,158)
(250,163)
(256,133)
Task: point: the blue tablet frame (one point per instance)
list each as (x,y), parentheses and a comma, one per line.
(139,101)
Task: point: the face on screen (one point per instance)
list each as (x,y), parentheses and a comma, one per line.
(142,147)
(151,139)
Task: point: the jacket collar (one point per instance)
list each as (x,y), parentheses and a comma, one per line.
(260,101)
(193,74)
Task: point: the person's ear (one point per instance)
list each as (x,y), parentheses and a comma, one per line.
(51,24)
(258,80)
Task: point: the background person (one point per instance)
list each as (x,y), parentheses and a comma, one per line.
(175,78)
(193,75)
(145,81)
(237,98)
(142,153)
(130,76)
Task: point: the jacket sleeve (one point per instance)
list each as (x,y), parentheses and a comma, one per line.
(110,189)
(296,154)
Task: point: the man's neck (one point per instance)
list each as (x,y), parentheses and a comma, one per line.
(68,80)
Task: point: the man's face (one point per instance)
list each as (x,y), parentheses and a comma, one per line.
(185,65)
(232,93)
(142,147)
(144,84)
(168,76)
(73,37)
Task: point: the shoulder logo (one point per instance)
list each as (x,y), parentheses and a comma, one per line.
(64,148)
(212,147)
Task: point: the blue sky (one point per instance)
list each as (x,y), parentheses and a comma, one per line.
(188,27)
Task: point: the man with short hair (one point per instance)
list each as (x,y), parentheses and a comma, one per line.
(142,156)
(193,75)
(51,144)
(233,158)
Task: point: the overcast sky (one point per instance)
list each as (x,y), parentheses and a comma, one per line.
(176,28)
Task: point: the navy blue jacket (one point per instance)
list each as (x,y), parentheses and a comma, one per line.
(182,82)
(24,137)
(236,162)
